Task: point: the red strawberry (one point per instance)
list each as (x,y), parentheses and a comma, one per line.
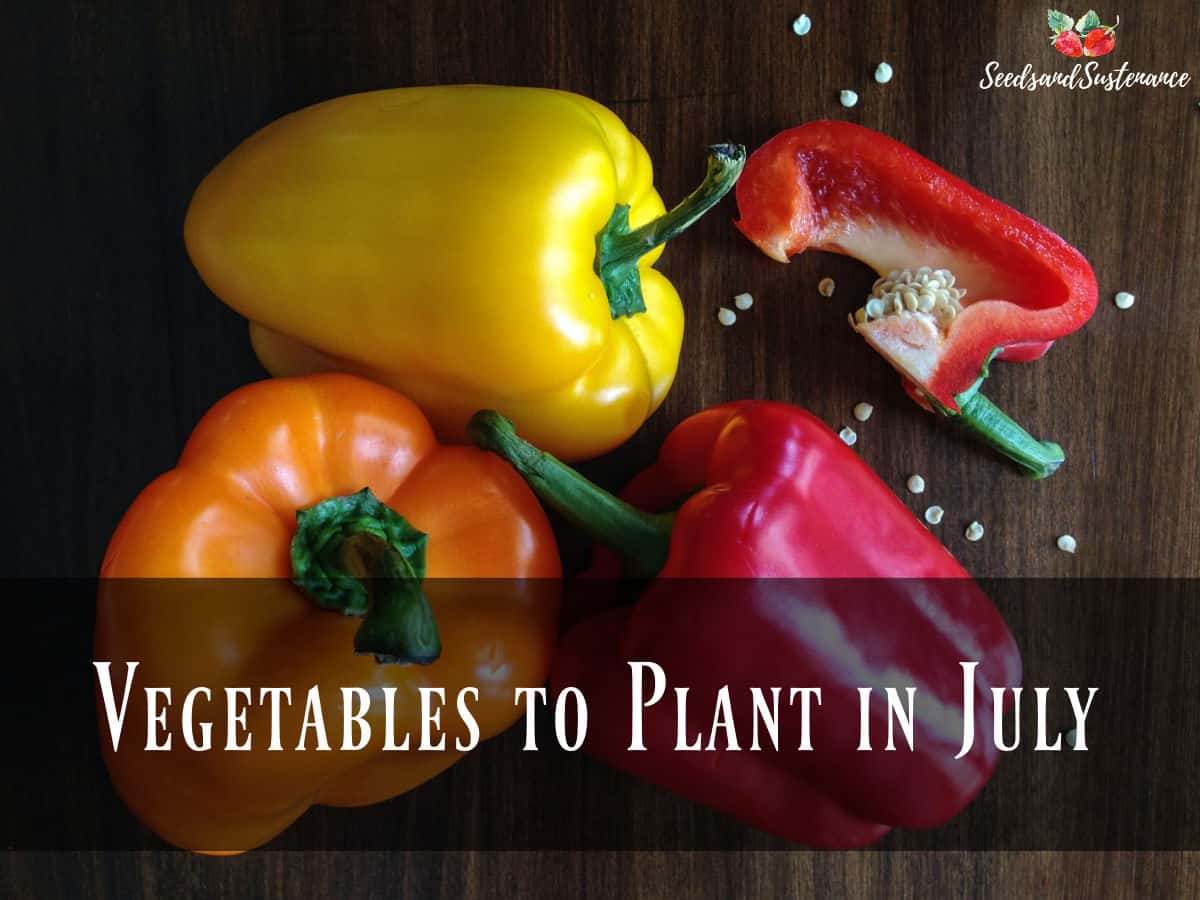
(1068,44)
(1099,41)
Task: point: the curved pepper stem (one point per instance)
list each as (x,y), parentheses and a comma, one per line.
(358,556)
(642,539)
(618,248)
(994,427)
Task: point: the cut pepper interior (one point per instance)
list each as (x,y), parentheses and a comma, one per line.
(964,279)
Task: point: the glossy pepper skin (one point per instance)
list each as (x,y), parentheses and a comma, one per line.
(846,189)
(468,245)
(826,579)
(222,526)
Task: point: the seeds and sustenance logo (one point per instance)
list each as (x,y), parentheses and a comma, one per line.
(1085,37)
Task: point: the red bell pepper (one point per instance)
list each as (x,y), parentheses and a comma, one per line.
(769,495)
(846,189)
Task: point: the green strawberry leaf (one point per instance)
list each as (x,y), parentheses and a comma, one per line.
(1089,21)
(1059,21)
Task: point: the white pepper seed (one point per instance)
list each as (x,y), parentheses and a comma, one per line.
(801,25)
(862,411)
(916,485)
(974,532)
(934,514)
(726,316)
(883,73)
(874,308)
(1124,300)
(825,287)
(848,98)
(1066,543)
(849,438)
(743,301)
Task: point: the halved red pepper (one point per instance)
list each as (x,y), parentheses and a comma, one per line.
(771,495)
(847,189)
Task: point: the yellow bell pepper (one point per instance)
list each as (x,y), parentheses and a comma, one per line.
(471,246)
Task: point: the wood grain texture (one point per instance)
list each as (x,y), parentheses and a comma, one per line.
(600,875)
(112,347)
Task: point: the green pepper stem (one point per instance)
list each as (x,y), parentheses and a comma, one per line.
(995,428)
(642,539)
(725,163)
(358,556)
(618,248)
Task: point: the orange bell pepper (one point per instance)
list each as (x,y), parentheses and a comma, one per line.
(229,511)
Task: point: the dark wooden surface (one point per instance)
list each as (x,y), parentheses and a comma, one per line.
(112,347)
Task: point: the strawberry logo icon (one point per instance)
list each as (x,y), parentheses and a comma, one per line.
(1087,37)
(1100,41)
(1068,43)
